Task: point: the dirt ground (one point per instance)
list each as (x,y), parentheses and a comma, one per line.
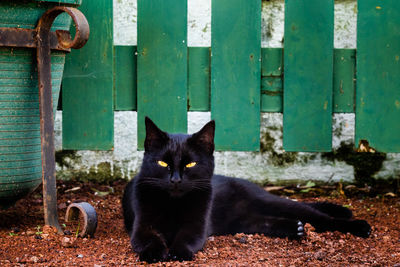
(24,241)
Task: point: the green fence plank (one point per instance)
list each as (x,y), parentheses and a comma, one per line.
(271,81)
(236,73)
(271,94)
(308,67)
(378,74)
(344,74)
(125,77)
(162,65)
(199,78)
(271,61)
(87,92)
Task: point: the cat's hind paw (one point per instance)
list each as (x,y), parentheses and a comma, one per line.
(282,227)
(300,229)
(360,228)
(299,233)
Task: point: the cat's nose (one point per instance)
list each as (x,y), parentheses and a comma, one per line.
(175,178)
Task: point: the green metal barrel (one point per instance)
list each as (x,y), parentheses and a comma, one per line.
(20,150)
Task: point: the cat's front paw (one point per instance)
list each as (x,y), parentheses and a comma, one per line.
(182,254)
(360,228)
(154,252)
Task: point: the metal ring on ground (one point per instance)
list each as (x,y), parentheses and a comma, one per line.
(89,217)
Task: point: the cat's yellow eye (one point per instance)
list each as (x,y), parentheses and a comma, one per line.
(162,163)
(191,164)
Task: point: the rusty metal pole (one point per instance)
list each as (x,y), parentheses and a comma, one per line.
(47,130)
(46,99)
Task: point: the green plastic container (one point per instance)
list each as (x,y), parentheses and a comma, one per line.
(20,150)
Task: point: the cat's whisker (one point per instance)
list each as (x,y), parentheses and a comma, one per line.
(152,181)
(202,185)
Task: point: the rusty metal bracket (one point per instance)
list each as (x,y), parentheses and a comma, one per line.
(44,40)
(19,37)
(89,216)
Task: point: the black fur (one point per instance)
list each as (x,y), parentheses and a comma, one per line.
(170,211)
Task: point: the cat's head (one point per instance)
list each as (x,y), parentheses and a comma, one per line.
(178,163)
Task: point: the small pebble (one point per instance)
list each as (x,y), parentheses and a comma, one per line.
(320,255)
(34,259)
(29,232)
(67,242)
(45,236)
(243,240)
(67,232)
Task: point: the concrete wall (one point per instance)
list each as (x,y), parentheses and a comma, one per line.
(272,163)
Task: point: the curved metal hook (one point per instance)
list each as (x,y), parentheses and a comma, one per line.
(81,27)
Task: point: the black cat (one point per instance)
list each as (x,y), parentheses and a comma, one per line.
(176,201)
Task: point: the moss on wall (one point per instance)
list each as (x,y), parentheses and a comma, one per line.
(103,172)
(64,158)
(365,164)
(277,158)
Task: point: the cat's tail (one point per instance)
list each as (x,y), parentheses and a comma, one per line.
(331,209)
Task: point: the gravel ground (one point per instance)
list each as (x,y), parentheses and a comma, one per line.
(25,242)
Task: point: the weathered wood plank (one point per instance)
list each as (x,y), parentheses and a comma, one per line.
(162,65)
(308,68)
(125,78)
(87,90)
(344,74)
(271,94)
(272,79)
(271,61)
(199,79)
(378,74)
(236,73)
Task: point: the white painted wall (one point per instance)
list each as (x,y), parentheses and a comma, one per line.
(254,165)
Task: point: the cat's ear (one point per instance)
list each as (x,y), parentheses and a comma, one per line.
(155,138)
(204,138)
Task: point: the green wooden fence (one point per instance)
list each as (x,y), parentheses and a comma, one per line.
(235,78)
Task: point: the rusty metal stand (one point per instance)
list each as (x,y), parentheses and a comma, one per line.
(44,40)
